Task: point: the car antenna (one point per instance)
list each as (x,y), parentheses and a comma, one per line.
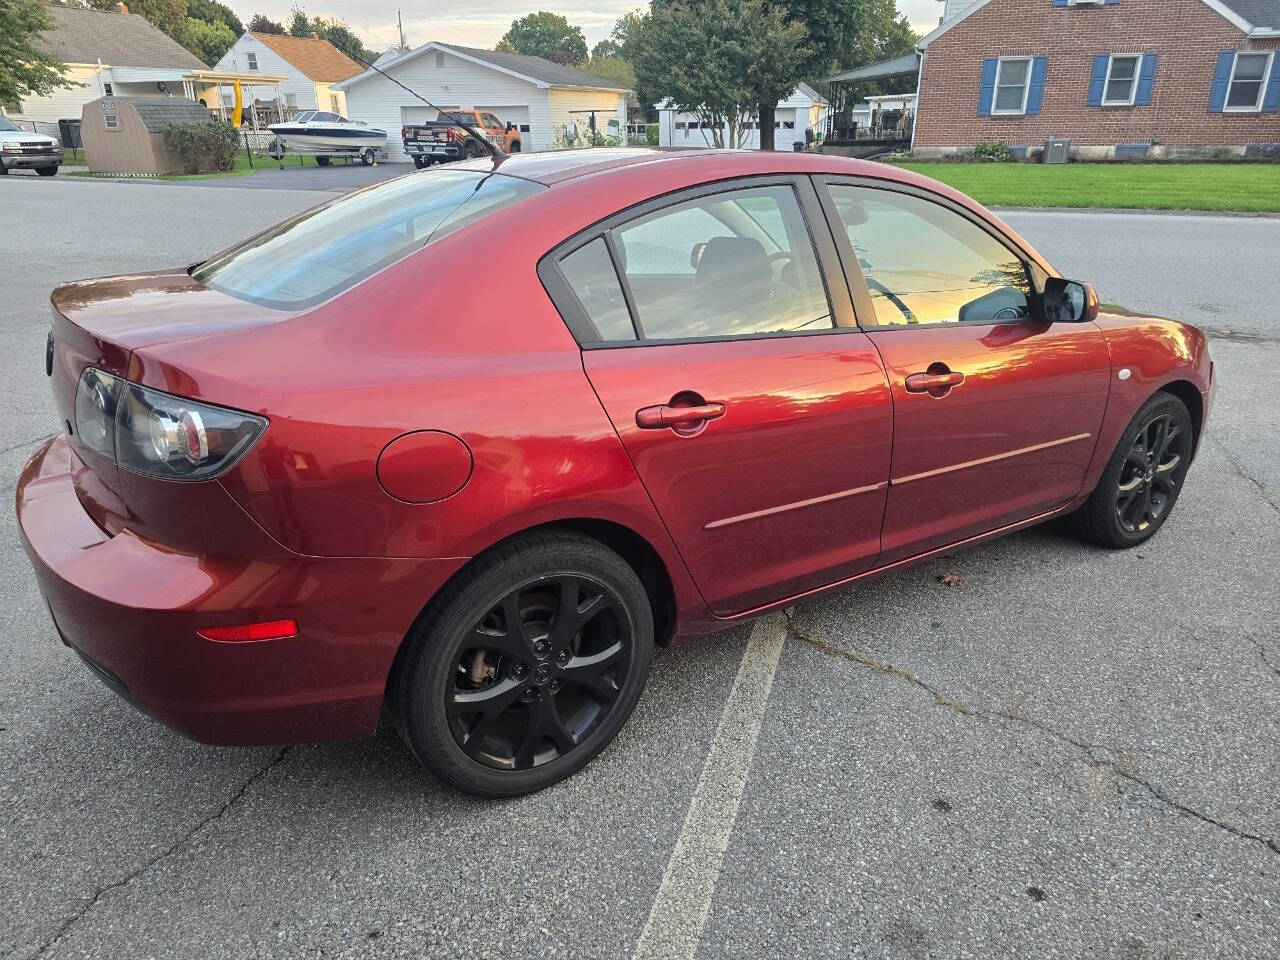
(493,151)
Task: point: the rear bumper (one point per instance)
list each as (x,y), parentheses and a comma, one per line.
(432,150)
(131,609)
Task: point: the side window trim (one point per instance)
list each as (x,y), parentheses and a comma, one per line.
(1037,269)
(816,225)
(611,244)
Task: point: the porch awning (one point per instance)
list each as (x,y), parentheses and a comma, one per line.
(906,65)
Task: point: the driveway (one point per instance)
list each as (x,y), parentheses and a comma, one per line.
(1030,748)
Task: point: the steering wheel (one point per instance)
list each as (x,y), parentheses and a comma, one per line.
(892,297)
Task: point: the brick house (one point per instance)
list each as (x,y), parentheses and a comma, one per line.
(1128,77)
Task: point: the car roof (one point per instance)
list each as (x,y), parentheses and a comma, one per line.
(558,166)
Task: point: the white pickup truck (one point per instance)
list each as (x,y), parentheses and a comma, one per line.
(20,149)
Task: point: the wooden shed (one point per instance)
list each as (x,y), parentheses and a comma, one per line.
(126,134)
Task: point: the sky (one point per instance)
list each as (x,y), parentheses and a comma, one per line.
(480,23)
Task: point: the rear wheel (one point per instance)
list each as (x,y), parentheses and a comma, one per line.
(367,157)
(470,151)
(421,162)
(1143,478)
(526,667)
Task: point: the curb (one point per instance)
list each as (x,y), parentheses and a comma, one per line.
(1146,211)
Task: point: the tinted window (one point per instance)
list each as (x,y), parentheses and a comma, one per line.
(595,283)
(322,252)
(925,263)
(729,264)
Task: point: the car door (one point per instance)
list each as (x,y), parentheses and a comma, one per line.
(757,415)
(996,411)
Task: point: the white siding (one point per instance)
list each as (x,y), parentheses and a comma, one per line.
(458,83)
(65,103)
(562,100)
(953,8)
(271,62)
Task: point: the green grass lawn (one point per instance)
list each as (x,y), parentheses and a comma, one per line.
(1155,186)
(239,169)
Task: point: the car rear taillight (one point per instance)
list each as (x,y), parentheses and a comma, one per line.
(157,433)
(404,131)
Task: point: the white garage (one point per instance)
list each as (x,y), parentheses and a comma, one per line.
(541,97)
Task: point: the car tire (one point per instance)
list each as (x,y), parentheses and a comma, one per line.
(554,695)
(420,162)
(515,146)
(1142,480)
(47,171)
(322,161)
(470,151)
(367,157)
(3,170)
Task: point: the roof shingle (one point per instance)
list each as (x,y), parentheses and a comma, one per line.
(1260,13)
(536,68)
(117,39)
(315,58)
(157,113)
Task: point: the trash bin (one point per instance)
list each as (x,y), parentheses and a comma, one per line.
(69,134)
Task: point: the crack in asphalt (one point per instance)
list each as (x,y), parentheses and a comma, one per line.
(1244,474)
(1266,659)
(1098,755)
(164,854)
(24,443)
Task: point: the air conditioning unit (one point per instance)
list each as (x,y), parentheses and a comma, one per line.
(1056,150)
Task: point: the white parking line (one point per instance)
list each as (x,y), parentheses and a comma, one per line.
(684,899)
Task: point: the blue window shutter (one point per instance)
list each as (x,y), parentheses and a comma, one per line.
(1113,1)
(1059,3)
(1039,67)
(1099,78)
(1146,80)
(1271,102)
(1221,80)
(987,95)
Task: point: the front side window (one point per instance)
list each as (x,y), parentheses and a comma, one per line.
(322,252)
(1247,81)
(1122,82)
(730,264)
(1013,77)
(925,263)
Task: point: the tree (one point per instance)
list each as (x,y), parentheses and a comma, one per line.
(209,40)
(610,68)
(720,60)
(261,23)
(25,69)
(546,35)
(211,11)
(332,29)
(608,47)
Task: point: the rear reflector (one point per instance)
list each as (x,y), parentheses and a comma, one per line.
(251,632)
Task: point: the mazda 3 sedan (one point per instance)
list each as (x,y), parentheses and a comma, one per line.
(465,445)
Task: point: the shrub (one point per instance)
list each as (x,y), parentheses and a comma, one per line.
(651,134)
(994,152)
(203,147)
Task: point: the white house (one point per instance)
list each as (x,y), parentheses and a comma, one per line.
(309,65)
(541,97)
(115,53)
(805,109)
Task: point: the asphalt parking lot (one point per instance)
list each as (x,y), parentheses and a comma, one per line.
(1066,752)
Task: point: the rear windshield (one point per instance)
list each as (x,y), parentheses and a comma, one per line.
(320,253)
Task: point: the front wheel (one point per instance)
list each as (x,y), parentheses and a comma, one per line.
(1143,478)
(47,171)
(526,666)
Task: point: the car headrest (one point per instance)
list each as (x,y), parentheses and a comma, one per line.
(733,260)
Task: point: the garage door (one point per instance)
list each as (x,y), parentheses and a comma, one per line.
(517,115)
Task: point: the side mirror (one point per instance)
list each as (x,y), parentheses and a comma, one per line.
(1069,301)
(510,126)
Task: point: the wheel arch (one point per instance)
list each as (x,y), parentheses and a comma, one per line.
(1190,396)
(634,548)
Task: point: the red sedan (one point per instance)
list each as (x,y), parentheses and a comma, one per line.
(467,444)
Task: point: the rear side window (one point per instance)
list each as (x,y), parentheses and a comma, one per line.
(320,253)
(594,283)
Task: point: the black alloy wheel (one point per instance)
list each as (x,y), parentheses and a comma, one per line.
(1150,474)
(1143,478)
(525,666)
(539,672)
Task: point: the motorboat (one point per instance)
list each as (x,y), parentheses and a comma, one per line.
(324,134)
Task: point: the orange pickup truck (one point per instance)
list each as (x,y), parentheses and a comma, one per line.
(439,140)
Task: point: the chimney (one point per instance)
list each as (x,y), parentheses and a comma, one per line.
(121,8)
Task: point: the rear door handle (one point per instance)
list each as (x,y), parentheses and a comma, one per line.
(664,415)
(936,382)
